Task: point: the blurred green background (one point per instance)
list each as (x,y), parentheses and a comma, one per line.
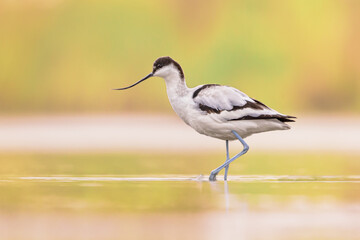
(301,57)
(66,56)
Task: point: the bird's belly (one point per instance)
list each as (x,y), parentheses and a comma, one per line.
(204,124)
(212,126)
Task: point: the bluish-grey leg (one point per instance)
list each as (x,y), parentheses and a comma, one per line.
(217,170)
(227,159)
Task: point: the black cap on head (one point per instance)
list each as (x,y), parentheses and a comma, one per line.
(165,61)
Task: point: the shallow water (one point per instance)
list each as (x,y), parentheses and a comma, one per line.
(201,178)
(180,207)
(79,197)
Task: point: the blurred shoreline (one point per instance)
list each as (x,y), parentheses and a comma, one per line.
(159,133)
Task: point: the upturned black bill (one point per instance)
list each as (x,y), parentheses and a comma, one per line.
(148,76)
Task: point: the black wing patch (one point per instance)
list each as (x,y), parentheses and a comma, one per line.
(234,108)
(208,109)
(261,104)
(279,117)
(197,91)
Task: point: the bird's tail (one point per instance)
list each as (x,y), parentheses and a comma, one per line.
(286,118)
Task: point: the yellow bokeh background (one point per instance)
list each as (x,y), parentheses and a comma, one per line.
(66,56)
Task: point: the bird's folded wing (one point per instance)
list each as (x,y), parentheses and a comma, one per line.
(231,104)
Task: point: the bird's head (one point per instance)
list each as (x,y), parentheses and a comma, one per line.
(164,67)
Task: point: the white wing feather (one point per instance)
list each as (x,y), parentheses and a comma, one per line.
(224,99)
(221,97)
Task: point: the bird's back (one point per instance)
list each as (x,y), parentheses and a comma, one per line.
(222,109)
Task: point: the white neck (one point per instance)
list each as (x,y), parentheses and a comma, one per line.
(175,85)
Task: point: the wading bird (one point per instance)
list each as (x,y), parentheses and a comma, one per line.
(214,110)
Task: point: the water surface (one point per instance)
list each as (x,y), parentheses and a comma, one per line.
(62,197)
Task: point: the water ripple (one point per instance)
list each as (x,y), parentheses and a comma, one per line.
(237,178)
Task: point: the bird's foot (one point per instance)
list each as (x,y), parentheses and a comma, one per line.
(212,176)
